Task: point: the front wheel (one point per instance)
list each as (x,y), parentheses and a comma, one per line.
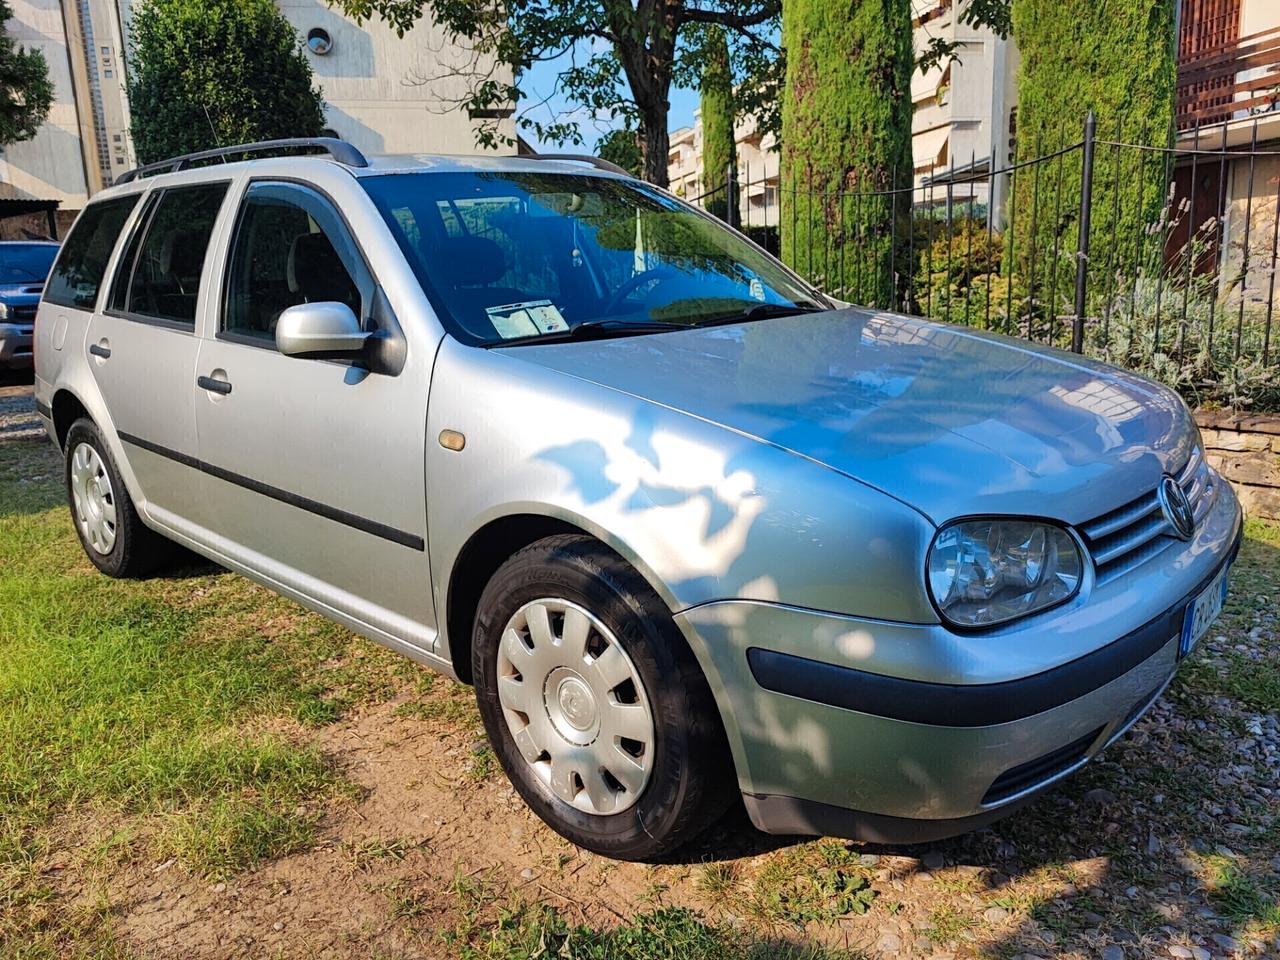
(594,703)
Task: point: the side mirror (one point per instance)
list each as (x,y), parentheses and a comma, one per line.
(325,330)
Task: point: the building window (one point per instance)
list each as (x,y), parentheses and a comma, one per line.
(318,41)
(107,73)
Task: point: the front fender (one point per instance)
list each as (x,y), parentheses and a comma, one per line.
(703,513)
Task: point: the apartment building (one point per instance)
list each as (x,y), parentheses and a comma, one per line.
(962,111)
(757,173)
(383,93)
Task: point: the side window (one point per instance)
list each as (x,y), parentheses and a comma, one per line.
(160,275)
(77,275)
(290,247)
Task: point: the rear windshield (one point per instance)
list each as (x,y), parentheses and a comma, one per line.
(26,262)
(516,256)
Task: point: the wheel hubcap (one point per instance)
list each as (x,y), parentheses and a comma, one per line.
(575,706)
(94,499)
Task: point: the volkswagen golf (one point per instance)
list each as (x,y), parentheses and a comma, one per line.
(693,530)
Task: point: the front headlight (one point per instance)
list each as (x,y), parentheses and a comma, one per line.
(4,312)
(984,572)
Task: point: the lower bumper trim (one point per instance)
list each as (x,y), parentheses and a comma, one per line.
(791,816)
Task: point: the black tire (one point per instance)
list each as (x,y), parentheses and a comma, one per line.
(138,550)
(690,784)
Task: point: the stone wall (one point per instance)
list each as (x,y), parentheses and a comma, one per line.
(1246,450)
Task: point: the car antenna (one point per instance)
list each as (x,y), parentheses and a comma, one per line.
(212,129)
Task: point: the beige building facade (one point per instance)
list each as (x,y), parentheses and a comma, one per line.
(757,174)
(962,112)
(383,93)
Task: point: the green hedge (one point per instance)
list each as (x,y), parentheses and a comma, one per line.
(1116,59)
(846,126)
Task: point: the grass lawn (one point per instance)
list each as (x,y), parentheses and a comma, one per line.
(192,766)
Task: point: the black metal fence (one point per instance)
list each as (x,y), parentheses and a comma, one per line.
(1159,258)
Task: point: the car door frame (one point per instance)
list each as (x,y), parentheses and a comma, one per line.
(423,334)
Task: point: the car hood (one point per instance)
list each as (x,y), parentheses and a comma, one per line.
(20,294)
(949,420)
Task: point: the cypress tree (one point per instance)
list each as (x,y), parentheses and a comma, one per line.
(1117,59)
(846,126)
(719,151)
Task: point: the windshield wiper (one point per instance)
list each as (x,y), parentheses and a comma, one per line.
(595,330)
(760,311)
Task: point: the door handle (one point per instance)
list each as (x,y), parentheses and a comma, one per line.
(216,386)
(100,350)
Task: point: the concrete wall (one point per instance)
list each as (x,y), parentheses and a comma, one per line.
(388,94)
(51,165)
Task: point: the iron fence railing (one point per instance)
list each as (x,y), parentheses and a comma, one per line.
(1159,258)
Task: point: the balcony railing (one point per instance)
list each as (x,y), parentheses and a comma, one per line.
(1230,81)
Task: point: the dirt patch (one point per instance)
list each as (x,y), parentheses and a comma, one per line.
(384,865)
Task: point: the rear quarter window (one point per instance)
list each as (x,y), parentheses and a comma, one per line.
(77,275)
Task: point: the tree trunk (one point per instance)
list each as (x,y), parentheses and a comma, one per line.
(655,143)
(647,65)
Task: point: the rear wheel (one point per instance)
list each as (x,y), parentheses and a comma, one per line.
(594,703)
(115,539)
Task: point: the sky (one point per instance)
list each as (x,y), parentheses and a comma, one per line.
(540,82)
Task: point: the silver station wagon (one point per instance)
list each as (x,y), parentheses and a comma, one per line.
(692,529)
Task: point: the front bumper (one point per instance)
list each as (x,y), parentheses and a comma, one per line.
(825,746)
(15,345)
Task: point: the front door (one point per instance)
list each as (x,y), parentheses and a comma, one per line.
(313,469)
(143,345)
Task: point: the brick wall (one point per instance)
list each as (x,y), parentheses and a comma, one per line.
(35,225)
(1246,450)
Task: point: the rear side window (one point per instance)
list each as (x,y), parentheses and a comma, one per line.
(77,276)
(159,277)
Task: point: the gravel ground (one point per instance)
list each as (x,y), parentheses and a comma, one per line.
(18,419)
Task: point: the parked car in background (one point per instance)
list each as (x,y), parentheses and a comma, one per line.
(24,265)
(693,530)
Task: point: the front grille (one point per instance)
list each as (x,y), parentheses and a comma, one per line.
(1134,533)
(1027,775)
(23,313)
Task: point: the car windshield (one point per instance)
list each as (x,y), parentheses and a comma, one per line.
(26,262)
(525,257)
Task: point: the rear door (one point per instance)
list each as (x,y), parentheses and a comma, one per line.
(71,293)
(143,345)
(313,469)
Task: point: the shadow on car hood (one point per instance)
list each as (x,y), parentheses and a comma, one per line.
(949,420)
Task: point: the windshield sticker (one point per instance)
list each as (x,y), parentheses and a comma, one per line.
(526,319)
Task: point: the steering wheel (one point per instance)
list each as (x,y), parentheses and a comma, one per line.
(635,283)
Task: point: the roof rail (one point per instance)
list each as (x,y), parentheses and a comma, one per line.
(340,150)
(598,162)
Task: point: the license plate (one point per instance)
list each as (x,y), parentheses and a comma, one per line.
(1202,611)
